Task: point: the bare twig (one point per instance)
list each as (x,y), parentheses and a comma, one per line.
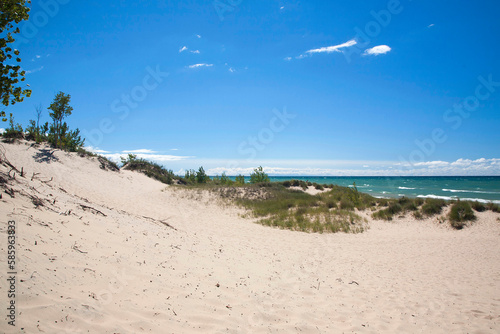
(75,247)
(94,211)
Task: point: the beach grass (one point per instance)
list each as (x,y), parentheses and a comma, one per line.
(460,213)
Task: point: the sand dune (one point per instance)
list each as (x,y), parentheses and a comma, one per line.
(117,252)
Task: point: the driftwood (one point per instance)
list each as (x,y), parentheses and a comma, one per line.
(160,221)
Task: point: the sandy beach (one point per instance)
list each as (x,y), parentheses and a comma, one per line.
(100,251)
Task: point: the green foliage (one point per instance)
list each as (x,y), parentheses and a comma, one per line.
(259,176)
(354,194)
(400,206)
(190,176)
(149,168)
(60,110)
(201,176)
(14,131)
(493,207)
(286,208)
(387,214)
(433,206)
(460,213)
(478,206)
(12,12)
(240,179)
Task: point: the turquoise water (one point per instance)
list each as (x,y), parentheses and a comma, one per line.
(480,188)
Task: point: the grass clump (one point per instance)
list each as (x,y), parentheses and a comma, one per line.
(278,206)
(399,206)
(433,206)
(461,212)
(493,207)
(478,206)
(150,169)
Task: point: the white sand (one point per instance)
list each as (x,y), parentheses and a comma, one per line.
(219,273)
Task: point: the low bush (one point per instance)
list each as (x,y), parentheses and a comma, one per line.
(460,213)
(478,206)
(150,169)
(433,206)
(493,207)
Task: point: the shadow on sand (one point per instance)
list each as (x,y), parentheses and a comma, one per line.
(45,155)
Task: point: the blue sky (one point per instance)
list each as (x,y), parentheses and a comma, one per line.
(299,87)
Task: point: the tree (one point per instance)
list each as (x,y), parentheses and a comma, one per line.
(240,179)
(60,110)
(259,176)
(201,176)
(11,13)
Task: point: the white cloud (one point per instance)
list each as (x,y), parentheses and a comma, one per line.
(200,65)
(174,149)
(35,70)
(377,50)
(430,25)
(184,48)
(232,70)
(282,7)
(464,167)
(288,58)
(195,51)
(143,151)
(199,36)
(95,150)
(2,130)
(334,48)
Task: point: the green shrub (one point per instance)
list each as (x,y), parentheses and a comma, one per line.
(259,176)
(150,169)
(14,131)
(387,214)
(346,204)
(433,206)
(287,184)
(493,207)
(460,213)
(319,187)
(201,176)
(240,179)
(478,206)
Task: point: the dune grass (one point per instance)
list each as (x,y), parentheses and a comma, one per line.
(460,213)
(276,205)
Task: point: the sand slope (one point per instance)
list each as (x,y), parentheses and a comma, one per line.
(98,257)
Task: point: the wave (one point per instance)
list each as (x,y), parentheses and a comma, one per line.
(451,198)
(406,188)
(470,191)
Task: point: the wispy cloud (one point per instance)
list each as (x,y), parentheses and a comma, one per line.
(200,65)
(95,150)
(184,48)
(199,36)
(232,70)
(143,151)
(35,70)
(334,48)
(195,51)
(430,25)
(377,50)
(288,58)
(465,167)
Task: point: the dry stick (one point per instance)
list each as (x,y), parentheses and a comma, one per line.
(75,247)
(34,174)
(93,210)
(47,181)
